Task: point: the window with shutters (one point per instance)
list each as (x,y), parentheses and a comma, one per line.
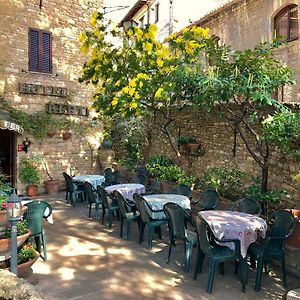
(286,23)
(40,51)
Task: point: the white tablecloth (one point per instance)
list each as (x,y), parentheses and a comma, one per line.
(235,225)
(157,202)
(94,180)
(127,189)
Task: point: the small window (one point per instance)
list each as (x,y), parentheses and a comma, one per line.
(39,51)
(156,12)
(286,23)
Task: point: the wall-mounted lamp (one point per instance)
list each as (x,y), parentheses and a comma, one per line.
(26,145)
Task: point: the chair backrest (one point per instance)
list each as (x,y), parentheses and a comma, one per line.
(35,214)
(69,182)
(116,178)
(141,204)
(153,188)
(89,189)
(140,178)
(182,189)
(281,225)
(248,205)
(102,194)
(121,202)
(176,217)
(108,175)
(209,198)
(204,234)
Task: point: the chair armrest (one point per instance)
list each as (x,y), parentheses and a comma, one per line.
(237,243)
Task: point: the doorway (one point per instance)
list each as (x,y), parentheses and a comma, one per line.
(7,154)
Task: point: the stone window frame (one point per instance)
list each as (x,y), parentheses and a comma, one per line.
(276,20)
(156,13)
(39,51)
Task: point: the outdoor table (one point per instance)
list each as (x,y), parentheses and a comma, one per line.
(126,189)
(235,225)
(94,180)
(157,202)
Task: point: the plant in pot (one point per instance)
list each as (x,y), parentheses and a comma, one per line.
(22,235)
(184,142)
(5,190)
(52,186)
(29,173)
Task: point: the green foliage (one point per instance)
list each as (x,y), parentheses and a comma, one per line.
(25,253)
(22,228)
(271,196)
(5,186)
(185,139)
(228,182)
(283,129)
(3,201)
(161,160)
(29,170)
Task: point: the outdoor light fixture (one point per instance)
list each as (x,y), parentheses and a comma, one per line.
(14,215)
(26,145)
(129,24)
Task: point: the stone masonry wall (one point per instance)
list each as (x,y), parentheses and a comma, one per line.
(65,20)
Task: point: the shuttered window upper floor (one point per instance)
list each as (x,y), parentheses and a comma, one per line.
(39,51)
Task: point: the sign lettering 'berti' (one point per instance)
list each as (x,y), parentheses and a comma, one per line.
(65,109)
(37,89)
(11,126)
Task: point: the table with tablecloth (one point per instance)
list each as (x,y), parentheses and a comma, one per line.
(157,202)
(94,180)
(126,189)
(235,225)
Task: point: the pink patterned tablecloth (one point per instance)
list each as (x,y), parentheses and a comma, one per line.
(235,225)
(127,189)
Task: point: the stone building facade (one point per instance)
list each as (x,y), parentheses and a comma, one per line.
(30,88)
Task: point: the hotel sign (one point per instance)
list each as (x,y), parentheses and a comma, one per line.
(11,126)
(66,109)
(45,90)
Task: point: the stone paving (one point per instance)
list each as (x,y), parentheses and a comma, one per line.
(88,260)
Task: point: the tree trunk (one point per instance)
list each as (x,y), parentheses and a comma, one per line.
(264,175)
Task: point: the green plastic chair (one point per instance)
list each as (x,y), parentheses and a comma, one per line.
(73,189)
(153,188)
(36,212)
(92,199)
(108,175)
(111,206)
(146,220)
(141,179)
(182,189)
(217,254)
(129,217)
(177,229)
(281,225)
(209,199)
(247,205)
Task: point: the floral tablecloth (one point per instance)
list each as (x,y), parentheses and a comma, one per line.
(235,225)
(157,202)
(127,189)
(94,180)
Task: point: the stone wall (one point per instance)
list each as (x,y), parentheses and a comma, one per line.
(245,23)
(65,20)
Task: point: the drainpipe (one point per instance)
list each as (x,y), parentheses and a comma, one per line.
(171,17)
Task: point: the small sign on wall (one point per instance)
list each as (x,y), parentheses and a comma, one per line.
(20,148)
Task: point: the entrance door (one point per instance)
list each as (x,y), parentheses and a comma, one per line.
(7,154)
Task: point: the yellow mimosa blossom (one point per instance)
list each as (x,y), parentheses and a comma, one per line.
(142,76)
(131,91)
(179,39)
(151,32)
(132,83)
(125,90)
(114,102)
(82,37)
(190,47)
(165,51)
(118,83)
(186,29)
(158,93)
(93,20)
(129,32)
(147,46)
(84,49)
(132,105)
(172,36)
(160,62)
(141,84)
(138,33)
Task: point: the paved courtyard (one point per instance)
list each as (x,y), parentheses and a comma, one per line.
(88,260)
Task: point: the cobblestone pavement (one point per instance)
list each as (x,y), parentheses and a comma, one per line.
(88,260)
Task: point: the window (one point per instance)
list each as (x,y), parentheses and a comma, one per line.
(286,23)
(156,12)
(39,51)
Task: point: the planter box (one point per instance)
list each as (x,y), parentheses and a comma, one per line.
(5,244)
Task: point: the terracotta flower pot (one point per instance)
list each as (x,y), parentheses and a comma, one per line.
(6,243)
(52,187)
(51,132)
(3,216)
(66,135)
(22,268)
(32,190)
(294,240)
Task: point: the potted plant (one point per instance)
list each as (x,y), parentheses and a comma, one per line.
(22,235)
(184,141)
(29,173)
(52,186)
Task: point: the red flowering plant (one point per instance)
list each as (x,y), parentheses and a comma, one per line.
(25,253)
(3,202)
(22,228)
